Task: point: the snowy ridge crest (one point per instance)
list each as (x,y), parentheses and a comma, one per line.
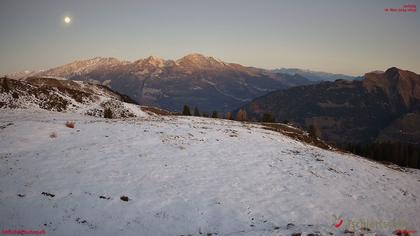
(58,94)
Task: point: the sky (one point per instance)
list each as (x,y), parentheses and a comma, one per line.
(339,36)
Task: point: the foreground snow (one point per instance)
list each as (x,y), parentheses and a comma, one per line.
(188,176)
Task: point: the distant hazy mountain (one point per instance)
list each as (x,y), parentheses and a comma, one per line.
(315,75)
(351,111)
(197,80)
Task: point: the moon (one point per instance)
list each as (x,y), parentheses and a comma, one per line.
(67,20)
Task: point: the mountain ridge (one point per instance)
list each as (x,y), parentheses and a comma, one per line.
(345,111)
(197,80)
(316,75)
(65,96)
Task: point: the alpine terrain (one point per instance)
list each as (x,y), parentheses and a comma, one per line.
(384,106)
(66,170)
(199,81)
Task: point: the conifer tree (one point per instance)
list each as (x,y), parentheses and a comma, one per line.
(186,111)
(196,112)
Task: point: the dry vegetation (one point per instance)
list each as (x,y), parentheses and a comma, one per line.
(157,111)
(70,124)
(296,133)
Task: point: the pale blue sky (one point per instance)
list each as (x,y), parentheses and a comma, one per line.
(341,36)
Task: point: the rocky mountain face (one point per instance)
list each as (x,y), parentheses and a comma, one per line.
(65,95)
(196,80)
(381,106)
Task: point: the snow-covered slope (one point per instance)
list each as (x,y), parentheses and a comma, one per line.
(58,94)
(188,176)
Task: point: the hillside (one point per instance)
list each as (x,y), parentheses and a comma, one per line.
(345,112)
(196,80)
(56,94)
(178,183)
(405,129)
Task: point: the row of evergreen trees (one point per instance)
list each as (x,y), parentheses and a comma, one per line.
(241,115)
(395,152)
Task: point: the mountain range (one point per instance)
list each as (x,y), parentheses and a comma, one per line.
(316,76)
(384,106)
(201,81)
(379,106)
(66,168)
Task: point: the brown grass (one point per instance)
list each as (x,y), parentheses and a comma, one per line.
(296,134)
(71,124)
(157,111)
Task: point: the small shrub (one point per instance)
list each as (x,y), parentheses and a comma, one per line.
(53,135)
(196,112)
(70,124)
(15,95)
(229,116)
(108,113)
(214,115)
